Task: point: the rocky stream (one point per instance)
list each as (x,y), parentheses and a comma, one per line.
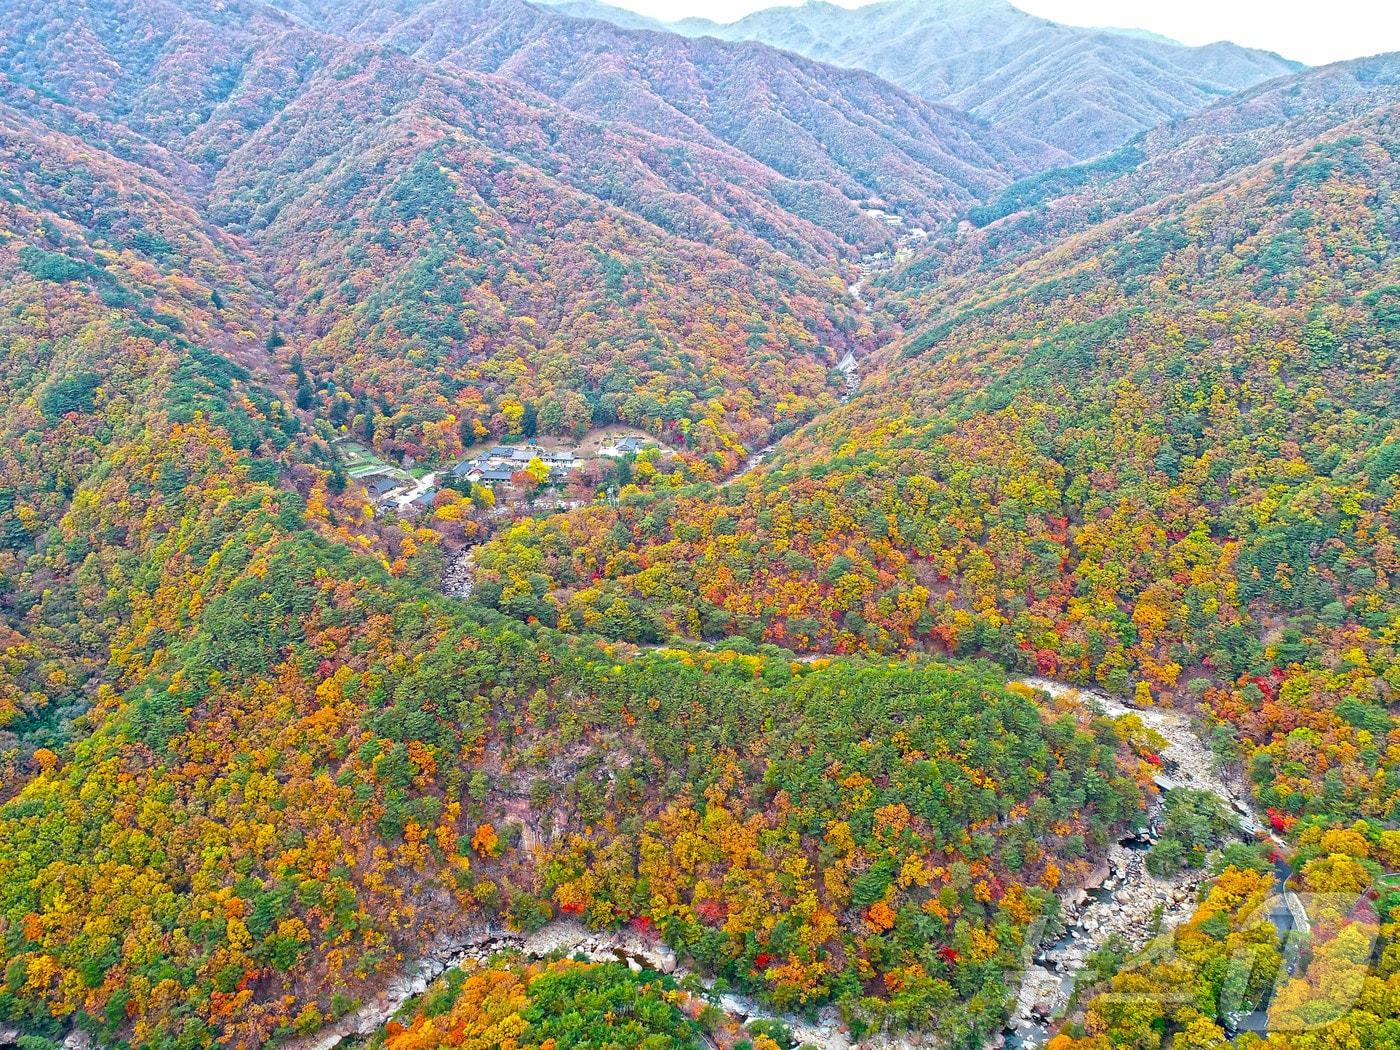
(566,937)
(1124,900)
(459,578)
(1121,900)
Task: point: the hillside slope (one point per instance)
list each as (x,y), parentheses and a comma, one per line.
(1142,433)
(248,772)
(690,245)
(806,121)
(1221,139)
(1156,452)
(473,279)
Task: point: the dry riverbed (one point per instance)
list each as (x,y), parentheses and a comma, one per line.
(1125,901)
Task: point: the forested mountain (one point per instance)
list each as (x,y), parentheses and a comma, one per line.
(125,313)
(990,328)
(200,81)
(251,763)
(1152,444)
(686,241)
(1084,91)
(812,123)
(1234,134)
(1131,423)
(479,282)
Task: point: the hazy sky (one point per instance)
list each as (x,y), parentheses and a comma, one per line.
(1313,31)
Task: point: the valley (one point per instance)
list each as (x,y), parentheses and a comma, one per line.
(522,526)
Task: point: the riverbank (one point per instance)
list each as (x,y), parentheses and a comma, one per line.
(567,938)
(1125,902)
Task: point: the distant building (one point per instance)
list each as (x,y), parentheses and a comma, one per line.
(422,501)
(380,485)
(502,462)
(627,446)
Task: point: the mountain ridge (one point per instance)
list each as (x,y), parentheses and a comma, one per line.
(803,119)
(767,188)
(1083,90)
